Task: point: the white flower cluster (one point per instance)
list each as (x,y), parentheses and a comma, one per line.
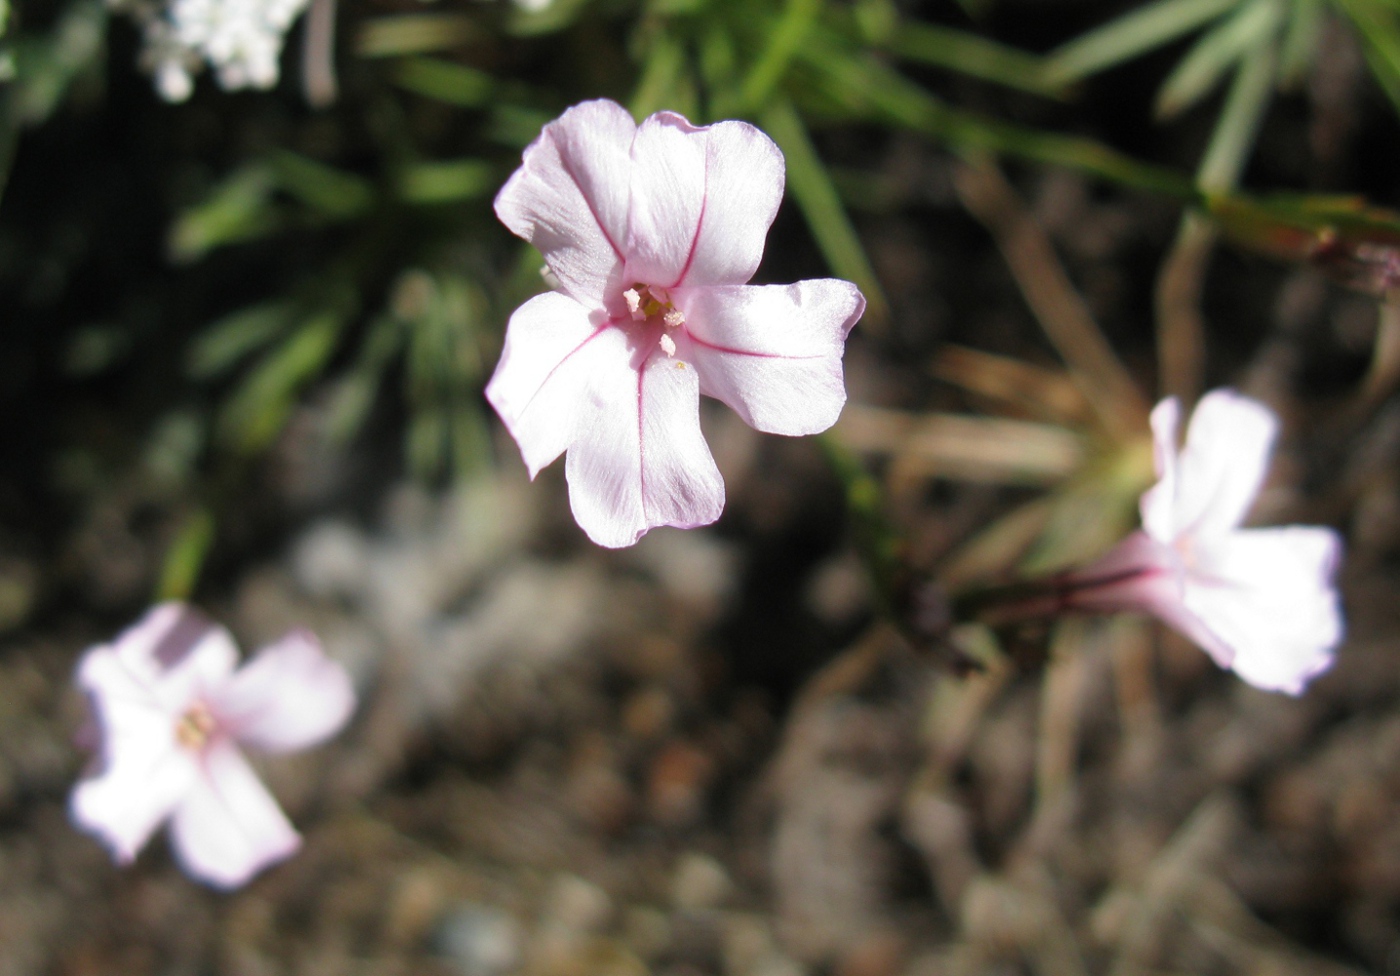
(240,39)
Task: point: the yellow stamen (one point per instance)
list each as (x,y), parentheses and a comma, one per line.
(195,727)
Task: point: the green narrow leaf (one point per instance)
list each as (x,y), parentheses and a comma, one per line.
(238,209)
(1251,27)
(446,81)
(471,440)
(184,559)
(257,411)
(45,67)
(1233,139)
(515,125)
(333,192)
(414,34)
(448,181)
(355,392)
(1300,42)
(224,344)
(969,54)
(1143,30)
(425,442)
(719,67)
(878,21)
(1381,42)
(662,78)
(784,40)
(812,187)
(876,92)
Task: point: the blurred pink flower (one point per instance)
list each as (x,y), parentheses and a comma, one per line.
(651,233)
(170,713)
(1261,602)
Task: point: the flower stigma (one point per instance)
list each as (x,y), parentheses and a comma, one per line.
(195,727)
(643,305)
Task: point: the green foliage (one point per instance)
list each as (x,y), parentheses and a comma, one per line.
(371,273)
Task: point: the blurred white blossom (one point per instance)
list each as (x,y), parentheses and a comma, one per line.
(241,40)
(1262,602)
(171,713)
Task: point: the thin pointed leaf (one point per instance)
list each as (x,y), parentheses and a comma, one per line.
(399,34)
(719,68)
(185,558)
(1233,139)
(449,181)
(1300,42)
(228,341)
(355,392)
(256,413)
(816,196)
(784,39)
(238,209)
(332,192)
(661,76)
(969,54)
(1143,30)
(1381,41)
(876,92)
(446,81)
(425,442)
(1225,45)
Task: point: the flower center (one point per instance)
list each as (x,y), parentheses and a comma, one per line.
(195,727)
(648,306)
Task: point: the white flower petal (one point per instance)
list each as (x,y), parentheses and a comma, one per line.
(570,197)
(1158,504)
(1223,465)
(1268,595)
(702,201)
(290,696)
(773,352)
(229,827)
(145,775)
(176,654)
(667,199)
(639,459)
(543,374)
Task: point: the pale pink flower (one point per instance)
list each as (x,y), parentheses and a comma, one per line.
(1261,602)
(651,232)
(170,714)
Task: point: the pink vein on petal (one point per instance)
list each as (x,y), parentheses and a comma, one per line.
(550,375)
(695,240)
(641,443)
(587,202)
(747,352)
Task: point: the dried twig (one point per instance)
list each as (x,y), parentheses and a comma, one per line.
(1061,311)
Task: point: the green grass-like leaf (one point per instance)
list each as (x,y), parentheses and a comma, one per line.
(1377,25)
(227,342)
(238,209)
(258,410)
(184,559)
(811,185)
(971,55)
(1143,30)
(446,81)
(449,181)
(1221,48)
(785,37)
(330,192)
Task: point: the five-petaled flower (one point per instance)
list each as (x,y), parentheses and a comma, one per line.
(652,232)
(1261,602)
(171,711)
